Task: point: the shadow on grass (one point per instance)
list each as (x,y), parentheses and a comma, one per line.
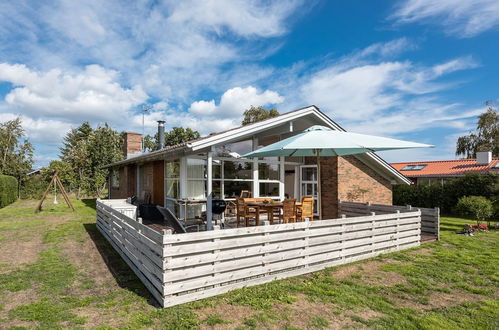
(89,202)
(123,274)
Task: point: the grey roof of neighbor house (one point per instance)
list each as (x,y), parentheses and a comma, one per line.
(248,130)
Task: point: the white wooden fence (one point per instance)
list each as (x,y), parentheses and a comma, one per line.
(140,246)
(430,218)
(186,267)
(122,206)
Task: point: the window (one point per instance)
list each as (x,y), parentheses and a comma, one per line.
(196,178)
(238,170)
(414,167)
(269,189)
(115,179)
(172,174)
(234,150)
(232,189)
(268,171)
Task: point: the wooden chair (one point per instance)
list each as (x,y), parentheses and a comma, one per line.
(245,194)
(289,210)
(247,213)
(306,208)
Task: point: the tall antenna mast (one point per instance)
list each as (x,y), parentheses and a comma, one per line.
(145,109)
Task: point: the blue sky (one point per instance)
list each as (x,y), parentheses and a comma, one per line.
(419,70)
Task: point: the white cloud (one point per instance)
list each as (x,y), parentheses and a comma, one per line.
(44,131)
(361,90)
(244,18)
(464,18)
(93,93)
(235,101)
(172,49)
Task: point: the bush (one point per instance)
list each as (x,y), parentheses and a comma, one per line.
(8,190)
(33,187)
(477,207)
(446,197)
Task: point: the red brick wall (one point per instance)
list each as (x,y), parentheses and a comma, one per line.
(329,187)
(360,183)
(132,143)
(347,178)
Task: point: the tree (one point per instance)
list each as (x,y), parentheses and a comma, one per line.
(104,147)
(16,153)
(86,150)
(173,137)
(486,137)
(254,115)
(75,153)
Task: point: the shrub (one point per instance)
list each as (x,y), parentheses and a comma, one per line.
(477,207)
(33,187)
(446,197)
(8,190)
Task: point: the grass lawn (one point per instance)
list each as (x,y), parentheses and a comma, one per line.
(57,271)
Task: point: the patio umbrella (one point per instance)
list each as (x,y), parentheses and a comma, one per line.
(322,141)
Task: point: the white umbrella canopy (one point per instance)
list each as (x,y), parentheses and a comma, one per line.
(331,143)
(323,141)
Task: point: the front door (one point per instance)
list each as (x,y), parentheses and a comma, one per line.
(308,183)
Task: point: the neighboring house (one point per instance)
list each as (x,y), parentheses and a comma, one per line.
(438,171)
(177,174)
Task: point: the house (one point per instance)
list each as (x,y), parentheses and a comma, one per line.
(428,172)
(175,176)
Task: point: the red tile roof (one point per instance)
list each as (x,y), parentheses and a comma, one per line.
(439,168)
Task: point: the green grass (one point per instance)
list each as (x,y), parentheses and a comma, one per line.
(318,322)
(214,319)
(51,273)
(64,295)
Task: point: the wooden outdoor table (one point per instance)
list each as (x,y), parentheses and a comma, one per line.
(268,207)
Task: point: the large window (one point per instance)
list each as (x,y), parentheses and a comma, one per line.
(230,176)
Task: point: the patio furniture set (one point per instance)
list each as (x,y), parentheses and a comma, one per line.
(286,211)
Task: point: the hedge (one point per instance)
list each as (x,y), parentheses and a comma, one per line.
(447,195)
(8,190)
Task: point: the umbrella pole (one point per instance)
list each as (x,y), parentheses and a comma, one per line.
(319,195)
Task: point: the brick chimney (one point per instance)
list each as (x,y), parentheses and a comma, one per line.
(132,144)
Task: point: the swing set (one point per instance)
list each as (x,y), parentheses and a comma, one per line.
(57,184)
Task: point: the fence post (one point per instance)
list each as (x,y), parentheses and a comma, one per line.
(398,230)
(216,229)
(373,222)
(342,250)
(139,220)
(437,212)
(166,263)
(306,239)
(266,239)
